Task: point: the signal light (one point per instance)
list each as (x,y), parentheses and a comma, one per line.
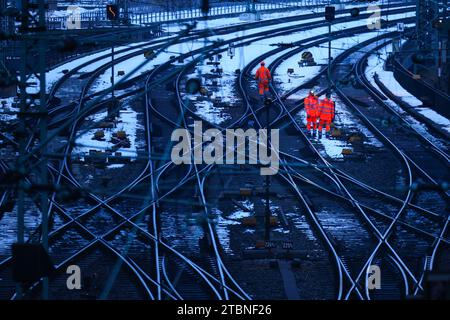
(438,23)
(330,12)
(112,11)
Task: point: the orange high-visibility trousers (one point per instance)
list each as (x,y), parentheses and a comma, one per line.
(263,87)
(326,111)
(311,108)
(326,122)
(311,121)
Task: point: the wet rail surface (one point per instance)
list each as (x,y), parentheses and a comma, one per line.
(170,235)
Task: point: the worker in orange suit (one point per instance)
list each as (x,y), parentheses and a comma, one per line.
(326,114)
(263,77)
(311,104)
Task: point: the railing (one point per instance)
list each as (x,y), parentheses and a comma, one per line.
(142,18)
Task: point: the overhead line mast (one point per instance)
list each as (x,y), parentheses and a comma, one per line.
(33,106)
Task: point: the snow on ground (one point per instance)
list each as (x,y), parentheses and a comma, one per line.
(436,117)
(302,224)
(53,75)
(222,222)
(303,74)
(8,105)
(320,53)
(346,119)
(210,113)
(71,10)
(376,66)
(222,227)
(56,73)
(130,64)
(331,148)
(8,227)
(222,230)
(115,166)
(343,119)
(127,121)
(103,82)
(229,65)
(226,90)
(229,21)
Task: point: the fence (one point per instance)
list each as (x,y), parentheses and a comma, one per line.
(142,18)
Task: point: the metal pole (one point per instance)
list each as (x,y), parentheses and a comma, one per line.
(329,48)
(21,132)
(32,22)
(112,64)
(267,216)
(125,9)
(20,167)
(439,63)
(43,137)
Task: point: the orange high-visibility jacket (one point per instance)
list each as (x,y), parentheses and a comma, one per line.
(311,105)
(263,75)
(326,109)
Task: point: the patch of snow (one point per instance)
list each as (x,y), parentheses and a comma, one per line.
(207,111)
(333,148)
(343,119)
(115,166)
(226,90)
(8,227)
(281,230)
(435,117)
(129,65)
(127,121)
(228,21)
(376,66)
(8,105)
(221,227)
(300,223)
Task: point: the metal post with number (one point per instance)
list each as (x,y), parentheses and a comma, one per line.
(330,12)
(33,41)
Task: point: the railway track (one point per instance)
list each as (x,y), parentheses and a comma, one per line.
(408,163)
(418,159)
(186,275)
(400,270)
(346,262)
(257,59)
